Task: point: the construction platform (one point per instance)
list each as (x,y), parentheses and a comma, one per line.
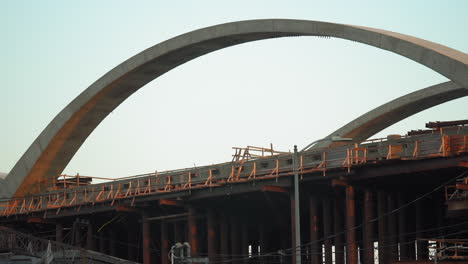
(400,199)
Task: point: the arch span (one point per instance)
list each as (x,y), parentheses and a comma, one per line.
(394,111)
(55,146)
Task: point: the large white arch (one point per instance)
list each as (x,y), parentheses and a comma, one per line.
(55,146)
(394,111)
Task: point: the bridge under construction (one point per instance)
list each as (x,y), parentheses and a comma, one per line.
(342,199)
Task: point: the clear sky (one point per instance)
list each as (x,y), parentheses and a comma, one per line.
(282,91)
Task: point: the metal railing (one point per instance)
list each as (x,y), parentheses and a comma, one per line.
(272,167)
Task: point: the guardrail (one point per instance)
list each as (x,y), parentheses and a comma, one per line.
(272,167)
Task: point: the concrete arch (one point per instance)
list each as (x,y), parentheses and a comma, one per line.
(55,146)
(394,111)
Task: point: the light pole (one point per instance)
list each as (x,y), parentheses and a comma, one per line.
(297,215)
(297,220)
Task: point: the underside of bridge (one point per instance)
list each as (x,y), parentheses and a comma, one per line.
(395,211)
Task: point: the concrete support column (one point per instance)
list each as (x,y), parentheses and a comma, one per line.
(59,232)
(421,246)
(392,228)
(193,231)
(382,226)
(235,235)
(178,232)
(164,243)
(90,236)
(112,249)
(102,243)
(131,242)
(327,230)
(224,237)
(351,247)
(244,241)
(338,210)
(77,232)
(315,245)
(402,230)
(146,235)
(263,241)
(369,228)
(211,227)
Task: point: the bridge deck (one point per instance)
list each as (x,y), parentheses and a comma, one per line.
(445,142)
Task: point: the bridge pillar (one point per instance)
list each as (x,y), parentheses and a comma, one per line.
(351,248)
(59,232)
(224,236)
(369,227)
(421,246)
(235,243)
(193,231)
(262,240)
(90,236)
(382,226)
(392,228)
(179,232)
(164,243)
(244,242)
(146,235)
(77,234)
(211,227)
(402,230)
(112,249)
(102,243)
(131,242)
(315,245)
(339,227)
(327,230)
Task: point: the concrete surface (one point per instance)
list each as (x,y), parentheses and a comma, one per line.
(396,110)
(55,146)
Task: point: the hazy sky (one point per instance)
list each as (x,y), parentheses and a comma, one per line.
(281,91)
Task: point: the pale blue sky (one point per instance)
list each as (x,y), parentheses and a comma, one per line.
(285,91)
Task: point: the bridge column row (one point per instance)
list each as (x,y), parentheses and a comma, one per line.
(384,220)
(367,215)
